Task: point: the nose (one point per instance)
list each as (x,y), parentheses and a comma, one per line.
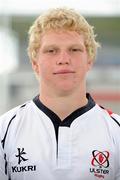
(64,58)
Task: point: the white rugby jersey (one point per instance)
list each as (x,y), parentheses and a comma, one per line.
(36,145)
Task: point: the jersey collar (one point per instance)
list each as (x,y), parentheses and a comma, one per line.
(70,118)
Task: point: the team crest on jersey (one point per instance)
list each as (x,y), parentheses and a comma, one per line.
(21,156)
(100,163)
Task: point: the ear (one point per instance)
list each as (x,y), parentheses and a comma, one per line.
(90,63)
(35,66)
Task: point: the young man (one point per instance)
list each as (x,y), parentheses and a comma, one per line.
(62,133)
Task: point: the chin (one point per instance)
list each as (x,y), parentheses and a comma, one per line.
(65,90)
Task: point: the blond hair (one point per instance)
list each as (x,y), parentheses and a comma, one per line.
(61,19)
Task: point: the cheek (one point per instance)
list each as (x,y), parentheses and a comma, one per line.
(80,66)
(83,64)
(82,69)
(45,71)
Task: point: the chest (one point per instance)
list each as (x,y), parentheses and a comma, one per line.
(75,151)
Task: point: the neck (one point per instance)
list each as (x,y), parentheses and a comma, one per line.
(64,105)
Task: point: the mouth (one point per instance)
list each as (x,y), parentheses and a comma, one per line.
(64,72)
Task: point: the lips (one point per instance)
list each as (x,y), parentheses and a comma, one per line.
(64,72)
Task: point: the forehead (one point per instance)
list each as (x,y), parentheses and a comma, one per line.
(61,38)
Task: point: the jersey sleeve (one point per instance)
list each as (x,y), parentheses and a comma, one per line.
(4,121)
(3,176)
(117,119)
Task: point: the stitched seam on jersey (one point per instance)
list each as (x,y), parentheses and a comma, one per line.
(115,121)
(3,141)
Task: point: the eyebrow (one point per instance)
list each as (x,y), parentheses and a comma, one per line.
(56,45)
(49,46)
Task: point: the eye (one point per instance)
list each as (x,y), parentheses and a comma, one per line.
(76,50)
(51,51)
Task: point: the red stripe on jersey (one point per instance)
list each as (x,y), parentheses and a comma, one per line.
(109,111)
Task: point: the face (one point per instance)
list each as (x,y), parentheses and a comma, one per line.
(62,62)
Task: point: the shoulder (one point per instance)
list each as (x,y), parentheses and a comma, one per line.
(111,115)
(111,120)
(7,118)
(116,118)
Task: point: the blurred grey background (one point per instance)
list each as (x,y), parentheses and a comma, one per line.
(17,80)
